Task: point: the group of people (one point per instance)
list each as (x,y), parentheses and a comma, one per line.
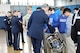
(44,20)
(13,27)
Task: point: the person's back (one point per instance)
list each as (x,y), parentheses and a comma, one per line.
(39,18)
(35,27)
(15,25)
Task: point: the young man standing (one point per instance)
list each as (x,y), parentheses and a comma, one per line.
(65,28)
(15,30)
(7,21)
(25,22)
(21,28)
(73,28)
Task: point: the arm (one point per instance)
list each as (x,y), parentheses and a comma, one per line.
(24,24)
(5,20)
(29,22)
(18,22)
(46,21)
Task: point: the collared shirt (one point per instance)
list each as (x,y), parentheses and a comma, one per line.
(75,17)
(19,16)
(26,18)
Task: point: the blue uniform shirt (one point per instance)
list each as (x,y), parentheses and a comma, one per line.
(54,19)
(62,24)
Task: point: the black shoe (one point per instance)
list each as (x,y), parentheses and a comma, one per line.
(10,45)
(16,49)
(23,42)
(20,49)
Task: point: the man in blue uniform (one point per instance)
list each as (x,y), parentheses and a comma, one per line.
(7,21)
(53,20)
(65,29)
(35,27)
(54,17)
(15,30)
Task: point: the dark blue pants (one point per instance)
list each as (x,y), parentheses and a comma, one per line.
(36,45)
(21,31)
(15,40)
(9,37)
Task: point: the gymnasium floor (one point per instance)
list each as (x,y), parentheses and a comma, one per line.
(5,49)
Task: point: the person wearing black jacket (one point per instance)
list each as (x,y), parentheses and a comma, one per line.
(77,30)
(21,28)
(7,21)
(73,30)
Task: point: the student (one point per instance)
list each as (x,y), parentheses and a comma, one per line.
(77,30)
(73,30)
(65,28)
(27,39)
(35,27)
(47,31)
(7,21)
(21,28)
(15,30)
(54,18)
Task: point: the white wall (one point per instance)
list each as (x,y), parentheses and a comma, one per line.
(4,9)
(66,2)
(78,1)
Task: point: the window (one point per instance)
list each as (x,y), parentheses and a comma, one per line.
(29,2)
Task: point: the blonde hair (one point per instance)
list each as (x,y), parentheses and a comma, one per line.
(29,8)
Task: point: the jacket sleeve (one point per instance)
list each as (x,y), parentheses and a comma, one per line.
(29,22)
(46,18)
(5,20)
(18,22)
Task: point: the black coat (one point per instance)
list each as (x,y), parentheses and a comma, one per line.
(7,22)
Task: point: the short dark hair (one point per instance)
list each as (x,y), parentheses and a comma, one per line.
(38,7)
(76,8)
(53,9)
(9,12)
(50,9)
(66,10)
(14,11)
(18,11)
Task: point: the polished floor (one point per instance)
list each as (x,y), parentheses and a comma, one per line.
(5,49)
(3,45)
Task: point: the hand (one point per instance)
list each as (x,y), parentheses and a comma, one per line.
(56,30)
(45,30)
(56,37)
(25,30)
(20,21)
